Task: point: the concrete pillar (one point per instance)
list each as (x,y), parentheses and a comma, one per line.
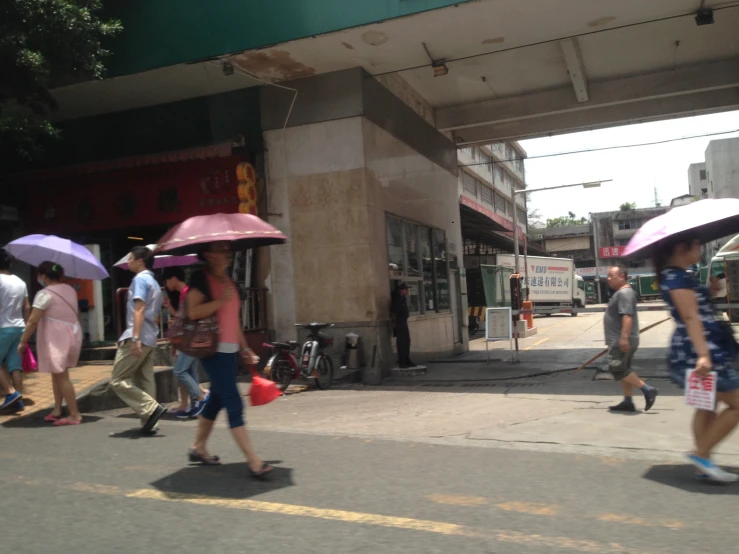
(96,317)
(353,152)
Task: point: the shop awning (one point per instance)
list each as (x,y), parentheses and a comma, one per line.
(478,227)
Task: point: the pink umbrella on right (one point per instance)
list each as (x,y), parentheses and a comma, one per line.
(705,220)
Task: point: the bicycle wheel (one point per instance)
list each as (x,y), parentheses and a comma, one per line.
(282,374)
(325,369)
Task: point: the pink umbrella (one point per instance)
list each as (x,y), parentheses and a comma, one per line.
(705,220)
(241,230)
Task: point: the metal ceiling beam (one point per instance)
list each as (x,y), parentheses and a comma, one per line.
(575,67)
(602,94)
(649,110)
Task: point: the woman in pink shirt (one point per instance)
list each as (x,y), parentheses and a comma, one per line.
(213,292)
(59,338)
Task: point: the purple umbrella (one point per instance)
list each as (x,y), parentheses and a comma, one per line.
(78,262)
(161,262)
(705,220)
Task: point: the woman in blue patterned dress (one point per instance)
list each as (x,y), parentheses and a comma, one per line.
(702,344)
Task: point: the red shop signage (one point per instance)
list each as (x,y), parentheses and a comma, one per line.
(160,194)
(612,251)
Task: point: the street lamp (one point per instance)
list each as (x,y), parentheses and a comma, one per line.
(589,185)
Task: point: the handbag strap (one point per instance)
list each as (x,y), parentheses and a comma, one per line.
(75,312)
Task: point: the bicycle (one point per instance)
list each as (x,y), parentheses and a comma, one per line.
(315,364)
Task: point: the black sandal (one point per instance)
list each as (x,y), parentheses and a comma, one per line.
(196,457)
(262,474)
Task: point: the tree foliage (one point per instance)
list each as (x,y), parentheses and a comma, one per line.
(627,206)
(566,221)
(534,219)
(44,44)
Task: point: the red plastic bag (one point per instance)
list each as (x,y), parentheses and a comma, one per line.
(28,362)
(263,391)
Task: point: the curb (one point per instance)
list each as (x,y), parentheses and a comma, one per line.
(101,398)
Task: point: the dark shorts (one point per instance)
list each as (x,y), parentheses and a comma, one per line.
(619,363)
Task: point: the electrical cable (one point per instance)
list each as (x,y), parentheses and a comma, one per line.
(601,149)
(549,41)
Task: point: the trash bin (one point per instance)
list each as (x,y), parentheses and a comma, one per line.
(352,351)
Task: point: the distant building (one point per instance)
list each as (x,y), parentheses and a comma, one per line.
(575,242)
(488,176)
(697,180)
(612,231)
(717,177)
(683,200)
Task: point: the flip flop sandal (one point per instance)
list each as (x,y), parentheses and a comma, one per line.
(52,418)
(66,421)
(262,474)
(198,458)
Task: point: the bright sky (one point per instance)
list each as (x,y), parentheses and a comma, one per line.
(635,171)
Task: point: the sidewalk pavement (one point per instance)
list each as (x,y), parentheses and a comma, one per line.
(472,366)
(39,395)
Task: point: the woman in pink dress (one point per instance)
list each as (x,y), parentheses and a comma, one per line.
(59,339)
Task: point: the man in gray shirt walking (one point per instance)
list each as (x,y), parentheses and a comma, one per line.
(621,323)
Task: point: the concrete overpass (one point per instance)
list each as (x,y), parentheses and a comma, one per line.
(516,68)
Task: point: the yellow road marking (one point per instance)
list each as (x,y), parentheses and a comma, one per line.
(543,509)
(458,500)
(428,526)
(632,520)
(537,343)
(308,511)
(536,508)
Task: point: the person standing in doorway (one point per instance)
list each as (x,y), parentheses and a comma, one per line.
(186,368)
(133,370)
(400,314)
(14,312)
(621,324)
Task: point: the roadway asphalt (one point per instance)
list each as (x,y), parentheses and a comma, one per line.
(97,488)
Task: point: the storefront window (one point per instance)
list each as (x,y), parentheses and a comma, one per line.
(417,256)
(412,249)
(428,270)
(395,248)
(414,297)
(442,273)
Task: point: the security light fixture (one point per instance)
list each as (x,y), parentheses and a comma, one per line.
(704,17)
(440,68)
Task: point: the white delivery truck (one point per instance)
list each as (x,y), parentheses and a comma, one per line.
(552,281)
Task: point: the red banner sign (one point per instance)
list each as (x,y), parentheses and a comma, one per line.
(612,251)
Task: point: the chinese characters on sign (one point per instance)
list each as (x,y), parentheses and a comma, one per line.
(612,251)
(556,282)
(700,391)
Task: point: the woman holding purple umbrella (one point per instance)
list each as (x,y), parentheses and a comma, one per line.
(59,339)
(700,342)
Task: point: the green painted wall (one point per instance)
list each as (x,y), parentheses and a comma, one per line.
(159,33)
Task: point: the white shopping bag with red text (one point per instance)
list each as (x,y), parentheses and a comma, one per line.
(700,390)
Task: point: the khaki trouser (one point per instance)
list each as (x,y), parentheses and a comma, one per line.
(133,379)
